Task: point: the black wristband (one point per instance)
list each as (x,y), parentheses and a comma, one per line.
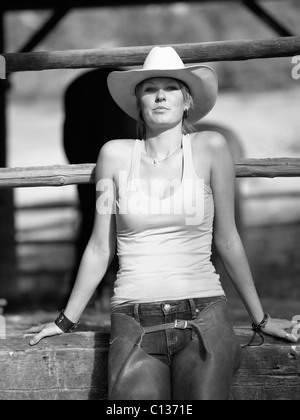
(257,331)
(263,323)
(65,324)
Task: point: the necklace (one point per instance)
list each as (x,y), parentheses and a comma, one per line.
(156,162)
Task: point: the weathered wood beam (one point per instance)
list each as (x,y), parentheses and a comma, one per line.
(267,168)
(74,366)
(51,176)
(236,50)
(59,176)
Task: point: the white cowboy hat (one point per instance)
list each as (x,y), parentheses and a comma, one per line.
(165,62)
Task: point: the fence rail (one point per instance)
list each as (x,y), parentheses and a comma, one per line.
(130,56)
(59,176)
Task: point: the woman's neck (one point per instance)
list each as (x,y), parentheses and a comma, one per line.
(161,144)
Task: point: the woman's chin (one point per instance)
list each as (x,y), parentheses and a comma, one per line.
(163,121)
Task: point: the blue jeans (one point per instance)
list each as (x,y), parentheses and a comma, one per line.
(182,350)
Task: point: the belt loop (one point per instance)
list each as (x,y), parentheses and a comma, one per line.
(136,313)
(193,308)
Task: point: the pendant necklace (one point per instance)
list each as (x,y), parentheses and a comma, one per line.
(156,162)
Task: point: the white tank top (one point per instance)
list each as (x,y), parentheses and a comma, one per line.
(164,245)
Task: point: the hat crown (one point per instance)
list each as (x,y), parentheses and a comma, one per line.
(163,58)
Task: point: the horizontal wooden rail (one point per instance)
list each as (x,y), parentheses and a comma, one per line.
(236,50)
(59,176)
(74,367)
(267,168)
(48,176)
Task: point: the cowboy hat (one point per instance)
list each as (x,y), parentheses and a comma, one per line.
(165,62)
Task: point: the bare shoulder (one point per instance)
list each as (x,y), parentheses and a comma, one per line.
(212,142)
(115,155)
(116,151)
(116,148)
(211,155)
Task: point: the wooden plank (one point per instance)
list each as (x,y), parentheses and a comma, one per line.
(74,366)
(236,50)
(58,176)
(52,395)
(50,176)
(267,168)
(269,372)
(71,366)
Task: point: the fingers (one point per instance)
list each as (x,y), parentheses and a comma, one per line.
(38,338)
(35,330)
(291,337)
(284,329)
(48,331)
(287,336)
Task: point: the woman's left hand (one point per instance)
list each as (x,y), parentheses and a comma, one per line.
(282,328)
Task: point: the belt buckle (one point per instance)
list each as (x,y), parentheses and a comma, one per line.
(181,325)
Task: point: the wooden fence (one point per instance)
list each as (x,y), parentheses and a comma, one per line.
(59,176)
(132,56)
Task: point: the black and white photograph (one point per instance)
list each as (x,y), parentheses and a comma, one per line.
(150,203)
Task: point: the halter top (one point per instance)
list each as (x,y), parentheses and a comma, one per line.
(164,245)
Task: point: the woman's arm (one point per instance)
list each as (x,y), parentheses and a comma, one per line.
(101,246)
(227,238)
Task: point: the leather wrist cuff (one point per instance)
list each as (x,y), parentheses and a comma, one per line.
(257,330)
(65,324)
(263,323)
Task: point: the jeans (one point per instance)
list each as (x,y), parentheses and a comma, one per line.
(180,350)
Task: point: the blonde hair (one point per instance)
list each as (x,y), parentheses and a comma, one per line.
(187,127)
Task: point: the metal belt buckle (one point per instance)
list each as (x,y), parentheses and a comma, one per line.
(181,325)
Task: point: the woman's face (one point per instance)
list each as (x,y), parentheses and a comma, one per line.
(162,102)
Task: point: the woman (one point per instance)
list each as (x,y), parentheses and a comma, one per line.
(158,197)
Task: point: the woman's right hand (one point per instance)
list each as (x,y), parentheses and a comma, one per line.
(43,331)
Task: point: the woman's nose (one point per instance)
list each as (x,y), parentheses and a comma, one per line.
(160,95)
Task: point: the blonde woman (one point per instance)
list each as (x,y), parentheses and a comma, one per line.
(159,199)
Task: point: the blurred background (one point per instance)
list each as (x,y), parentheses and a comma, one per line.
(258,107)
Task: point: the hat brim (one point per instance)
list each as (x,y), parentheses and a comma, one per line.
(201,80)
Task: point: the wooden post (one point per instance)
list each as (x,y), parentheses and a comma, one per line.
(7,242)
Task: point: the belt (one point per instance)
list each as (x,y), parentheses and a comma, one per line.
(181,325)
